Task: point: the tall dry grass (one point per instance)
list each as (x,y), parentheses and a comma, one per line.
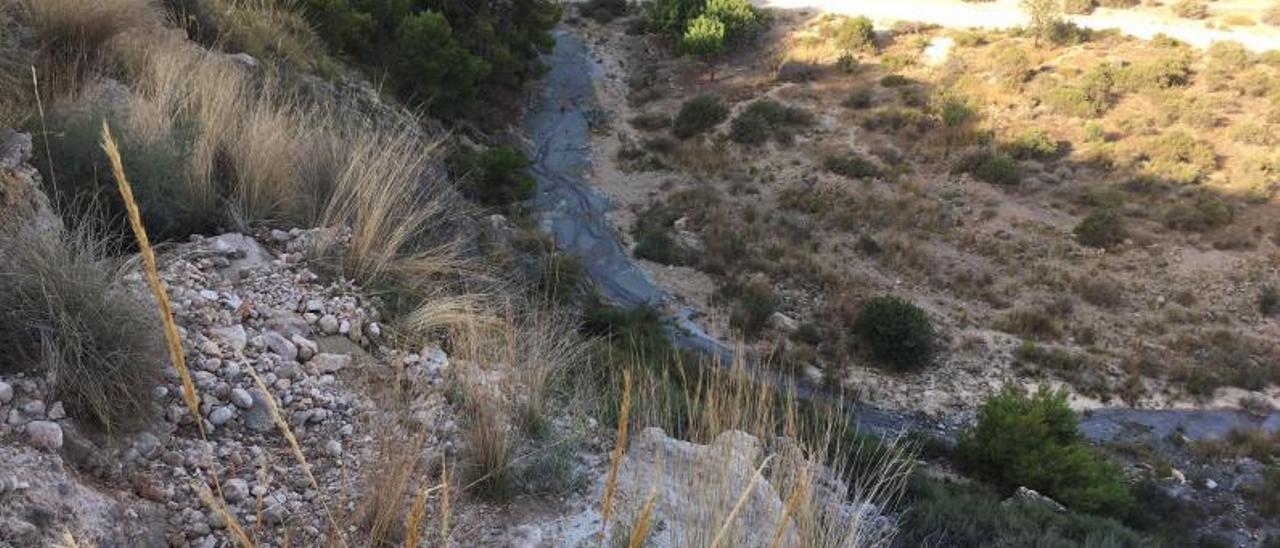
(827,482)
(270,29)
(72,35)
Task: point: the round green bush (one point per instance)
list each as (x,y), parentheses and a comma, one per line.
(698,115)
(1103,228)
(896,332)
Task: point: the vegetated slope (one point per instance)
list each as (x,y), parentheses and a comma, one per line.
(1094,212)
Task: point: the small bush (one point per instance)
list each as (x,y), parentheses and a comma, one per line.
(755,303)
(853,33)
(894,81)
(699,115)
(1190,9)
(603,11)
(1170,71)
(1089,97)
(497,177)
(1119,4)
(1253,134)
(1228,56)
(1012,65)
(765,118)
(859,98)
(850,165)
(64,308)
(1100,291)
(652,121)
(1272,14)
(1033,144)
(990,166)
(1269,300)
(1078,7)
(1032,440)
(1202,211)
(955,111)
(1104,228)
(898,333)
(1179,157)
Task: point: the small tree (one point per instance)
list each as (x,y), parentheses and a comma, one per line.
(1043,16)
(897,332)
(704,39)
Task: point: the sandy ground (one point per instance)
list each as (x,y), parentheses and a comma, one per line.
(1143,22)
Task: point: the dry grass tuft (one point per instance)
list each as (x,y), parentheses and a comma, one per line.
(270,29)
(72,35)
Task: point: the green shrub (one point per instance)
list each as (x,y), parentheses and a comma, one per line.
(850,165)
(990,166)
(1228,56)
(497,177)
(853,33)
(157,169)
(1119,4)
(1032,144)
(1090,96)
(1269,300)
(1190,9)
(660,248)
(445,55)
(704,38)
(859,98)
(698,115)
(1179,157)
(755,303)
(1031,440)
(1203,210)
(1012,65)
(955,111)
(737,18)
(1103,228)
(651,122)
(1173,70)
(65,309)
(765,118)
(898,333)
(894,81)
(603,11)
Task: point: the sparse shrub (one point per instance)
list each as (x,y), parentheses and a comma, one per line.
(1103,228)
(1090,96)
(1078,7)
(990,166)
(1172,70)
(1251,133)
(1119,4)
(1190,9)
(853,33)
(1032,440)
(603,11)
(1227,56)
(497,177)
(1179,157)
(660,248)
(847,63)
(1052,358)
(652,121)
(859,98)
(898,333)
(1202,211)
(850,165)
(65,309)
(1100,291)
(955,111)
(270,30)
(1269,300)
(751,310)
(1043,16)
(1012,65)
(1033,323)
(765,118)
(698,115)
(1272,14)
(1032,144)
(894,81)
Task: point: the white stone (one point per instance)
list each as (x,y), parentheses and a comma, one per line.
(333,448)
(331,363)
(6,392)
(44,435)
(235,490)
(329,324)
(57,411)
(222,415)
(233,337)
(280,345)
(241,398)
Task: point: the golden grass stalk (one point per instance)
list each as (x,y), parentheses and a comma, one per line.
(641,529)
(295,447)
(737,507)
(153,277)
(413,525)
(444,504)
(792,502)
(619,449)
(220,508)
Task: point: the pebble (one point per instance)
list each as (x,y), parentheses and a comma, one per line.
(6,392)
(331,363)
(306,348)
(241,398)
(44,435)
(33,408)
(333,448)
(57,412)
(235,490)
(329,324)
(222,415)
(280,345)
